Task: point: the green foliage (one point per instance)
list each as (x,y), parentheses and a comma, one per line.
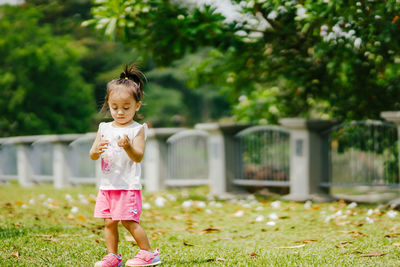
(310,58)
(42,89)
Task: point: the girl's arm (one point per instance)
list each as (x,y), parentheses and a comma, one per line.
(98,147)
(135,150)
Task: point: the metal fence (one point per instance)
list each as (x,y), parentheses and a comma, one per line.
(82,168)
(263,156)
(188,158)
(8,162)
(363,153)
(41,156)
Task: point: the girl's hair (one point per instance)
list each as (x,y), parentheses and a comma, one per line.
(131,79)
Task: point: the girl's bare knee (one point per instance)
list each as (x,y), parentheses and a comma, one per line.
(110,223)
(128,224)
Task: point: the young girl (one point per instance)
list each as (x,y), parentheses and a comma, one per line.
(120,145)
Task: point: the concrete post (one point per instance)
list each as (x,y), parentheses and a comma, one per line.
(156,158)
(24,165)
(222,156)
(308,158)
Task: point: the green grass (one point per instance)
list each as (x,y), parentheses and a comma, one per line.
(39,235)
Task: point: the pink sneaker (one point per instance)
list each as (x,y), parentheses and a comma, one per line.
(145,258)
(110,260)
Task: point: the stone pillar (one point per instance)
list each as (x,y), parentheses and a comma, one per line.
(308,158)
(222,156)
(156,158)
(24,165)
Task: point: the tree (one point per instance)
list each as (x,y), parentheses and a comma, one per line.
(311,58)
(41,86)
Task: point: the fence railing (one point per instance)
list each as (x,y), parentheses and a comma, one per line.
(263,156)
(309,156)
(188,158)
(363,153)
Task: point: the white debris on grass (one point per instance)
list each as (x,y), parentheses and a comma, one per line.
(307,205)
(208,211)
(259,208)
(391,213)
(369,220)
(69,198)
(352,205)
(146,206)
(260,218)
(83,199)
(32,201)
(251,197)
(187,204)
(239,213)
(74,209)
(276,204)
(370,212)
(332,216)
(271,223)
(160,201)
(171,197)
(246,205)
(201,204)
(24,206)
(273,216)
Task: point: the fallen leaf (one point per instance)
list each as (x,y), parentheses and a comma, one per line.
(396,244)
(253,254)
(19,203)
(190,245)
(18,224)
(306,241)
(299,246)
(217,239)
(392,235)
(210,230)
(46,236)
(217,259)
(154,236)
(356,234)
(81,218)
(15,254)
(343,244)
(373,254)
(70,216)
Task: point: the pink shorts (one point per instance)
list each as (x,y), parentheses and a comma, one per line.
(119,205)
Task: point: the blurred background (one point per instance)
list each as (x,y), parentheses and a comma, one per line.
(236,61)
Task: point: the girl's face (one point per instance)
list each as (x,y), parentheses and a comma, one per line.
(123,107)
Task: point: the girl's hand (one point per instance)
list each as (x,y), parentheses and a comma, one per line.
(101,147)
(124,142)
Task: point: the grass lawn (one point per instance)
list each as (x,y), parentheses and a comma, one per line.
(43,226)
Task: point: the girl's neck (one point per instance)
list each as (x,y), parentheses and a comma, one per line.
(117,125)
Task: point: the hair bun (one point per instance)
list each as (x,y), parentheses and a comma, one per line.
(123,75)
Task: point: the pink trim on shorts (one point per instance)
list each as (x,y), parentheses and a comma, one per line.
(119,205)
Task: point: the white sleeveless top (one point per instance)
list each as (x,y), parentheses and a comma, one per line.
(118,171)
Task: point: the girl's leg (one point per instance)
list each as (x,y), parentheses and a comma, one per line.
(111,235)
(138,233)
